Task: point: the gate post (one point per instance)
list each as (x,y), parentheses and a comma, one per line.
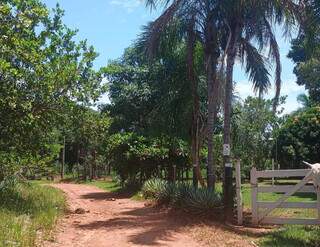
(254,193)
(318,202)
(239,195)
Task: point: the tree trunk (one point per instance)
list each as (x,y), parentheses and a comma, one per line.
(109,169)
(228,188)
(63,155)
(94,165)
(195,143)
(211,58)
(78,161)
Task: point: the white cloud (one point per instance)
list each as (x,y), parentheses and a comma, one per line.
(244,89)
(104,99)
(129,5)
(289,88)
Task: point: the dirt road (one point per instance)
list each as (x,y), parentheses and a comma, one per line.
(115,220)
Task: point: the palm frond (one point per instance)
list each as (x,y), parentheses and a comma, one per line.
(154,30)
(274,54)
(153,4)
(255,66)
(168,42)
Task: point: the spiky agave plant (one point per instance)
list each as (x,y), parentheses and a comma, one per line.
(201,201)
(179,194)
(153,187)
(167,195)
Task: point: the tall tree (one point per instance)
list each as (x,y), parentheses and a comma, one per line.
(245,21)
(305,51)
(203,17)
(43,72)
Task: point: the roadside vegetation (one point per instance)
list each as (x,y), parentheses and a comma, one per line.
(28,213)
(173,107)
(293,236)
(198,201)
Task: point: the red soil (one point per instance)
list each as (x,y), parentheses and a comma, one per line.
(115,220)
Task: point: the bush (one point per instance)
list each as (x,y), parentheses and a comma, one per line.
(152,187)
(202,201)
(26,209)
(180,195)
(299,139)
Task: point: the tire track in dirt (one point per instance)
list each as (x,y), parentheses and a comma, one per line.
(121,222)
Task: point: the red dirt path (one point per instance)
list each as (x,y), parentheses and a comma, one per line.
(121,222)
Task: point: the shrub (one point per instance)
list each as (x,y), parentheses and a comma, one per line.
(26,209)
(197,201)
(167,195)
(153,187)
(202,201)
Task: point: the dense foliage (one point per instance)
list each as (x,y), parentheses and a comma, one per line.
(299,139)
(44,74)
(305,51)
(136,158)
(150,98)
(255,127)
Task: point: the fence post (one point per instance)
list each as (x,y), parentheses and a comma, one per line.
(254,193)
(239,195)
(318,202)
(272,170)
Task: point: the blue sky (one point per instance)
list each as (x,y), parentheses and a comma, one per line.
(111,26)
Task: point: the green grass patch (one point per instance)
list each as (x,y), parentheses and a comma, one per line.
(110,185)
(272,197)
(287,236)
(293,236)
(107,185)
(28,211)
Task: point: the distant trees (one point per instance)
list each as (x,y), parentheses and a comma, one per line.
(299,139)
(151,103)
(136,158)
(254,128)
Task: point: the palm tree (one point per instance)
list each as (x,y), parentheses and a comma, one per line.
(245,21)
(230,27)
(200,24)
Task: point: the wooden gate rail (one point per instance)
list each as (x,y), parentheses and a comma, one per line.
(289,190)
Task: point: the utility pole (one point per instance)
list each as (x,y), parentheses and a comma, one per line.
(63,157)
(227,190)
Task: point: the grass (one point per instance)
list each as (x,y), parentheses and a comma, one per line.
(28,213)
(293,236)
(272,197)
(110,185)
(107,185)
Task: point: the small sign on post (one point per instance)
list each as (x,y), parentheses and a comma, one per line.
(226,149)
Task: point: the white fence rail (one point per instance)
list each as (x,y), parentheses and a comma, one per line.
(261,216)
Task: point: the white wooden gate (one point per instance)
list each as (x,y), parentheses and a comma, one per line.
(261,216)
